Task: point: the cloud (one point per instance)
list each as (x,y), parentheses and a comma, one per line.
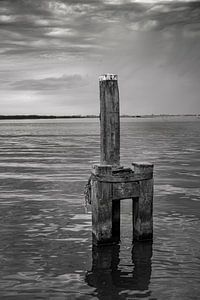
(176,14)
(64,82)
(63,24)
(154,46)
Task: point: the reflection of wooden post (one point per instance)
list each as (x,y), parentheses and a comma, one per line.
(143,205)
(105,262)
(105,258)
(109,120)
(116,220)
(112,281)
(141,258)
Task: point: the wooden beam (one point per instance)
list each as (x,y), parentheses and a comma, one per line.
(125,190)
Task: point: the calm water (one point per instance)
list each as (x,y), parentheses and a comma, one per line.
(45,234)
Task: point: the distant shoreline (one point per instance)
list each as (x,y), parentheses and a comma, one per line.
(32,117)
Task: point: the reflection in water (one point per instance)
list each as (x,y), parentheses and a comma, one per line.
(119,283)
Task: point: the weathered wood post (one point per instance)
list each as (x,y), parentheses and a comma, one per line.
(109,120)
(143,205)
(110,136)
(105,212)
(109,182)
(101,196)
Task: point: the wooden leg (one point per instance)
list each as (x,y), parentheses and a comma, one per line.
(143,205)
(101,201)
(143,212)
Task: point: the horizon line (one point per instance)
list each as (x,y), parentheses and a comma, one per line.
(38,116)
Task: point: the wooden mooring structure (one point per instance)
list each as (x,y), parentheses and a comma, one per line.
(110,182)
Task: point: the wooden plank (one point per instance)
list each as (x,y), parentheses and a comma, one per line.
(109,120)
(122,179)
(143,169)
(126,190)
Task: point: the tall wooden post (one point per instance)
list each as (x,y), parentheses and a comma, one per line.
(109,120)
(105,212)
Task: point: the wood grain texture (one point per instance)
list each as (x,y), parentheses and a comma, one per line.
(143,212)
(121,179)
(101,200)
(109,122)
(126,190)
(143,169)
(143,206)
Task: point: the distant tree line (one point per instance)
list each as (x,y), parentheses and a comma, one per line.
(22,117)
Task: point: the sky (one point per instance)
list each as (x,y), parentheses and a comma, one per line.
(52,53)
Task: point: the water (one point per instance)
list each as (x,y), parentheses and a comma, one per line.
(45,245)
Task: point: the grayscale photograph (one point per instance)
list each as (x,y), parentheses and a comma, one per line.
(99,149)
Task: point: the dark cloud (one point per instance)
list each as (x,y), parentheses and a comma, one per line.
(176,15)
(57,24)
(64,82)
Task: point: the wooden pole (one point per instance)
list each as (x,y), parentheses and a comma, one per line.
(109,120)
(143,205)
(101,197)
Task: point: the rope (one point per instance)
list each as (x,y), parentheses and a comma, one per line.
(87,192)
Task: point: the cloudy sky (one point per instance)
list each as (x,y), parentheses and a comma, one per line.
(52,52)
